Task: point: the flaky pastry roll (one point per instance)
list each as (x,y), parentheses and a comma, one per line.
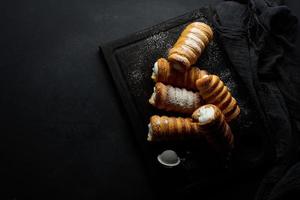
(165,73)
(172,128)
(190,45)
(174,99)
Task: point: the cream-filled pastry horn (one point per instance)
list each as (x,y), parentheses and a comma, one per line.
(190,45)
(213,126)
(172,128)
(174,99)
(165,73)
(214,91)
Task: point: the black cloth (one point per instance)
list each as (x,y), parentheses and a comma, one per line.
(258,37)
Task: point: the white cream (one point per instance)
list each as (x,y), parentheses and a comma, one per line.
(206,114)
(168,158)
(153,97)
(182,97)
(154,71)
(150,131)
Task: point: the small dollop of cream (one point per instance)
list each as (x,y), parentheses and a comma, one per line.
(168,158)
(153,97)
(150,131)
(154,71)
(206,114)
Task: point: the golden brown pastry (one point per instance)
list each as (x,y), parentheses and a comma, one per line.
(214,127)
(213,91)
(190,44)
(172,128)
(165,73)
(174,99)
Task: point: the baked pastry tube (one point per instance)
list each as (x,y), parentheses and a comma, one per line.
(172,128)
(170,98)
(214,91)
(214,127)
(165,73)
(190,45)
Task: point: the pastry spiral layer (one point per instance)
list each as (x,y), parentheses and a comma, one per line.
(214,91)
(190,45)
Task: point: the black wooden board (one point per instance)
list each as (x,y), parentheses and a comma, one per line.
(130,62)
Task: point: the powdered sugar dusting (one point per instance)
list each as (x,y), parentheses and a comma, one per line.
(226,77)
(182,97)
(158,41)
(136,76)
(210,57)
(142,63)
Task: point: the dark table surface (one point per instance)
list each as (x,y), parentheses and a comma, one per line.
(63,132)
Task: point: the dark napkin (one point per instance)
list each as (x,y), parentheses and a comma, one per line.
(258,37)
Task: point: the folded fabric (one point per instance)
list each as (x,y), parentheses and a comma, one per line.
(258,38)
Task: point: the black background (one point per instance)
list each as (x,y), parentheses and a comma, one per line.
(63,132)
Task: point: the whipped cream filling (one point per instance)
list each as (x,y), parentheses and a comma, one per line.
(168,158)
(206,114)
(154,71)
(150,131)
(153,97)
(183,97)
